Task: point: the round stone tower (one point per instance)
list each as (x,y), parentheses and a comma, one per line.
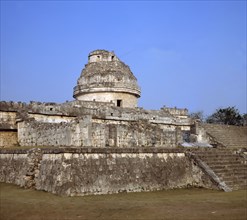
(107,79)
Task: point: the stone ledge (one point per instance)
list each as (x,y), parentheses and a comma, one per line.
(94,150)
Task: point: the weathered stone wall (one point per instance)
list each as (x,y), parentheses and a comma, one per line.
(127,100)
(52,124)
(71,109)
(51,118)
(133,133)
(181,113)
(107,79)
(99,171)
(8,138)
(33,133)
(7,120)
(199,134)
(14,168)
(88,132)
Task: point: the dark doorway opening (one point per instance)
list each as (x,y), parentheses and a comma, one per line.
(119,102)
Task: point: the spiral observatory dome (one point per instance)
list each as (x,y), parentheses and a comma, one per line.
(105,78)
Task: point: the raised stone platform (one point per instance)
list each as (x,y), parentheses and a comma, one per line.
(85,171)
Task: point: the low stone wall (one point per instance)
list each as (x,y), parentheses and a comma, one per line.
(33,133)
(139,133)
(85,124)
(85,171)
(85,132)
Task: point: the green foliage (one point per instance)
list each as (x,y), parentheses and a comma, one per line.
(197,115)
(245,119)
(227,116)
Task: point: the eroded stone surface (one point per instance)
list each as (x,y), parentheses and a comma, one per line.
(107,79)
(81,172)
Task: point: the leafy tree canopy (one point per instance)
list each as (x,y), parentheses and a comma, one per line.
(227,116)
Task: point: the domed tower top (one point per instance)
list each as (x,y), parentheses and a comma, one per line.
(101,55)
(107,79)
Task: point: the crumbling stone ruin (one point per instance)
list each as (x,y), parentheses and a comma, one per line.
(104,114)
(101,142)
(107,79)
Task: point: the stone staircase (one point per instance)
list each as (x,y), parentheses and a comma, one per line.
(229,165)
(227,135)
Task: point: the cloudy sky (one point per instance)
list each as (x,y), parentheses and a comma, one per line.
(188,54)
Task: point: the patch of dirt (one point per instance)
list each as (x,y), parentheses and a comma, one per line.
(18,203)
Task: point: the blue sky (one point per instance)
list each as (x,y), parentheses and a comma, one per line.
(188,54)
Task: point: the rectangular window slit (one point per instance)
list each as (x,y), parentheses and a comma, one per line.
(119,102)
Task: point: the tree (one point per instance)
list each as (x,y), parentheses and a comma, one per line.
(227,116)
(197,115)
(244,119)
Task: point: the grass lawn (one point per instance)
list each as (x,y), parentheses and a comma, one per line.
(199,204)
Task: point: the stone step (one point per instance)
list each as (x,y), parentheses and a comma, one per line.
(228,175)
(224,166)
(222,150)
(229,166)
(224,163)
(232,182)
(232,141)
(234,137)
(238,187)
(211,155)
(229,136)
(233,178)
(222,160)
(231,172)
(232,167)
(226,135)
(216,153)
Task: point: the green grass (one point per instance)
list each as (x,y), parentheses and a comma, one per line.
(199,204)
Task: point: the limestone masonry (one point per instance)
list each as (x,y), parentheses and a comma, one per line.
(104,114)
(101,142)
(107,79)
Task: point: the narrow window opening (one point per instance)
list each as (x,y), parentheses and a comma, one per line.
(51,109)
(112,58)
(119,102)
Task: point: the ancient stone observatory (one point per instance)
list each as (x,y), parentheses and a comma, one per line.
(104,114)
(90,124)
(107,79)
